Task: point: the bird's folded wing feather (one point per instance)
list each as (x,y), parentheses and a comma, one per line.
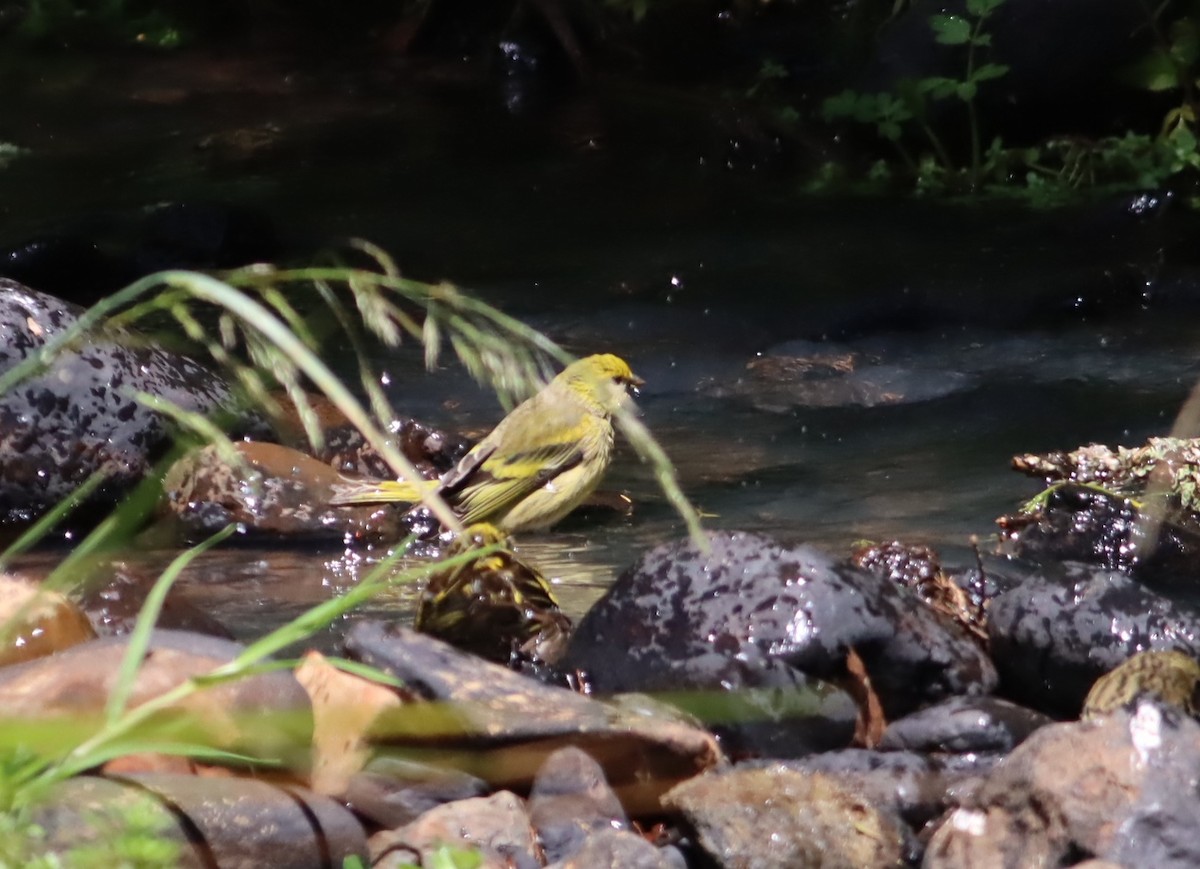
(502,481)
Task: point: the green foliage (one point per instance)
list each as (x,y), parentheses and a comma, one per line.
(893,114)
(128,22)
(1051,172)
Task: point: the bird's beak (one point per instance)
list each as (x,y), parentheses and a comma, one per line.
(633,384)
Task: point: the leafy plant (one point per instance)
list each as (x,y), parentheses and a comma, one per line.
(893,113)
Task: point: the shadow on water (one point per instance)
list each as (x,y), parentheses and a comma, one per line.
(824,368)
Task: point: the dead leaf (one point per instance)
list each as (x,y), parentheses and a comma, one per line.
(868,731)
(344,708)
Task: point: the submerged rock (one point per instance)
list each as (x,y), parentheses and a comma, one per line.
(114,600)
(1059,631)
(35,621)
(755,613)
(80,416)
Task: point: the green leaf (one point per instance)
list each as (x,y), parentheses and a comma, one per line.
(966,91)
(889,130)
(1154,72)
(950,29)
(840,106)
(983,40)
(938,87)
(989,71)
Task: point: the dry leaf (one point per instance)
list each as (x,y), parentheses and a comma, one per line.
(344,707)
(871,721)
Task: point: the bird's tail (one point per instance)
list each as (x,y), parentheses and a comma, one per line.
(382,492)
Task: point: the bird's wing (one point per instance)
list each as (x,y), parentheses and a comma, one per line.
(505,480)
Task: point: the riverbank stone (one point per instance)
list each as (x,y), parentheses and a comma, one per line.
(1066,625)
(752,610)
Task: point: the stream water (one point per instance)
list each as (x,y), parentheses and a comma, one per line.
(952,336)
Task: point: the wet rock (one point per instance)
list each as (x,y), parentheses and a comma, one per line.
(919,568)
(570,800)
(392,792)
(618,849)
(1169,678)
(1120,789)
(1077,523)
(1064,627)
(227,822)
(753,609)
(964,724)
(504,725)
(80,416)
(498,826)
(431,451)
(35,622)
(113,603)
(915,787)
(243,715)
(777,817)
(277,492)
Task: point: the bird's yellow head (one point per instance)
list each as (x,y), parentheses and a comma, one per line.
(604,381)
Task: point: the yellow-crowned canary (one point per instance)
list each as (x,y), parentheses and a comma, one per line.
(539,463)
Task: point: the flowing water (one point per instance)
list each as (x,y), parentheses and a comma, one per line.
(947,337)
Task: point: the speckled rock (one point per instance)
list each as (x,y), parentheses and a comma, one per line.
(1122,788)
(752,608)
(1066,626)
(778,818)
(964,724)
(80,416)
(1169,678)
(278,492)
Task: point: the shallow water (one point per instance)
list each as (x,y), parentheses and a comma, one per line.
(621,222)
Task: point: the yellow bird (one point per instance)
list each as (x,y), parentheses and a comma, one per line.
(539,463)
